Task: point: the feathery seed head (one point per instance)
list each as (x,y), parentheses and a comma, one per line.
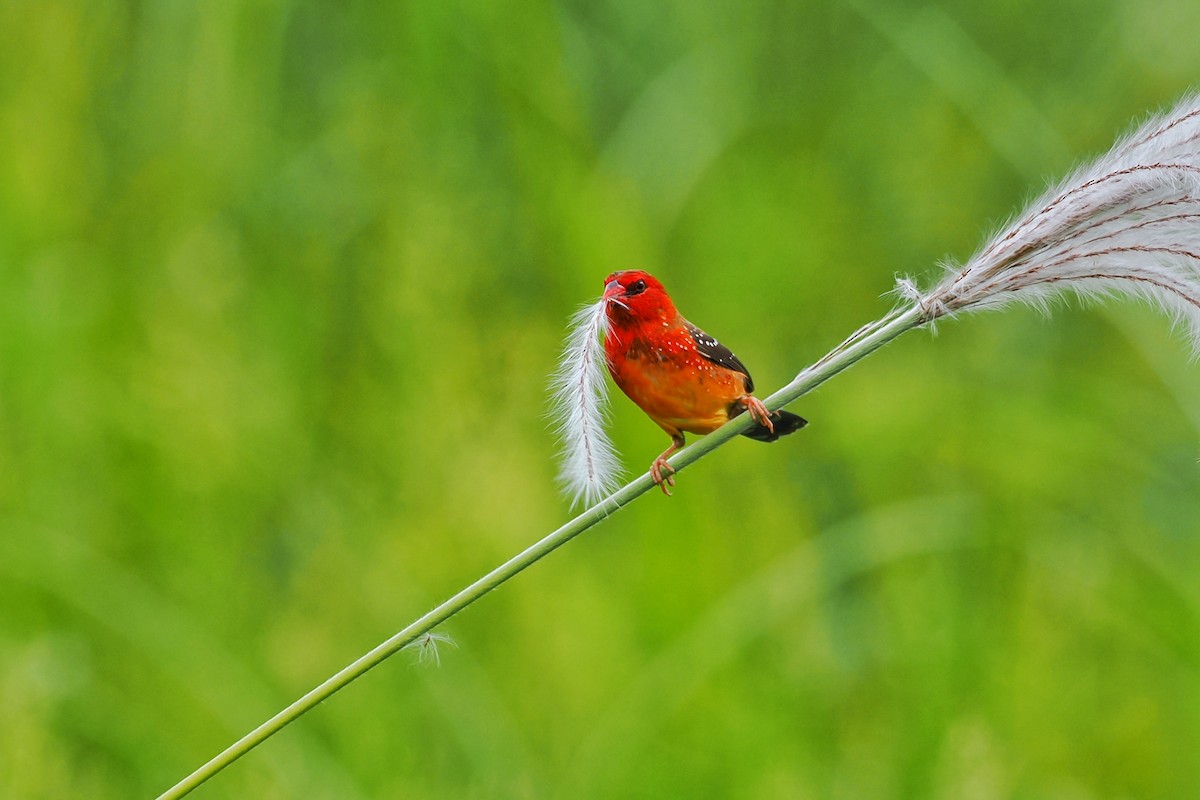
(1127,224)
(589,465)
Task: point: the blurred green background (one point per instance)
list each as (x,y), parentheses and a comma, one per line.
(280,287)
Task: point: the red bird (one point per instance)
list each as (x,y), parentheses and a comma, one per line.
(684,379)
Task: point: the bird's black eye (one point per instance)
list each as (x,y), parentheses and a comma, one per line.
(637,287)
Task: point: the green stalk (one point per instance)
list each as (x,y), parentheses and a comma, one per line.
(858,346)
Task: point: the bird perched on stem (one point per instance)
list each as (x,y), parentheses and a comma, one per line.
(684,379)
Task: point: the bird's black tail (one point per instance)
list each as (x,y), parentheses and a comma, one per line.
(785,422)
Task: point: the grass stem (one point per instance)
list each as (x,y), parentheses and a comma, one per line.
(861,344)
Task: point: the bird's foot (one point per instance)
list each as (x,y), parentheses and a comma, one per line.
(663,474)
(758,411)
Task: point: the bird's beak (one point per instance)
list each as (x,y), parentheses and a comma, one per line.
(612,289)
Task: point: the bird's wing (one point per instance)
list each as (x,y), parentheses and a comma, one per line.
(718,353)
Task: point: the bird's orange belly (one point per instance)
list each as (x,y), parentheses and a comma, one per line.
(690,394)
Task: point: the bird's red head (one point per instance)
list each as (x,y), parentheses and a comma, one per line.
(635,296)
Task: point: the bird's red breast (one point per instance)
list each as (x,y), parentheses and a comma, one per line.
(682,378)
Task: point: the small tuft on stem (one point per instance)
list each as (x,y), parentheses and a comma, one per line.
(426,646)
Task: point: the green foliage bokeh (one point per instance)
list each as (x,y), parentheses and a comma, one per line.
(280,287)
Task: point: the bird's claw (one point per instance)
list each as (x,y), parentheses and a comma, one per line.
(663,474)
(759,412)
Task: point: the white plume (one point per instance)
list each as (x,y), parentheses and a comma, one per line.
(590,468)
(1127,224)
